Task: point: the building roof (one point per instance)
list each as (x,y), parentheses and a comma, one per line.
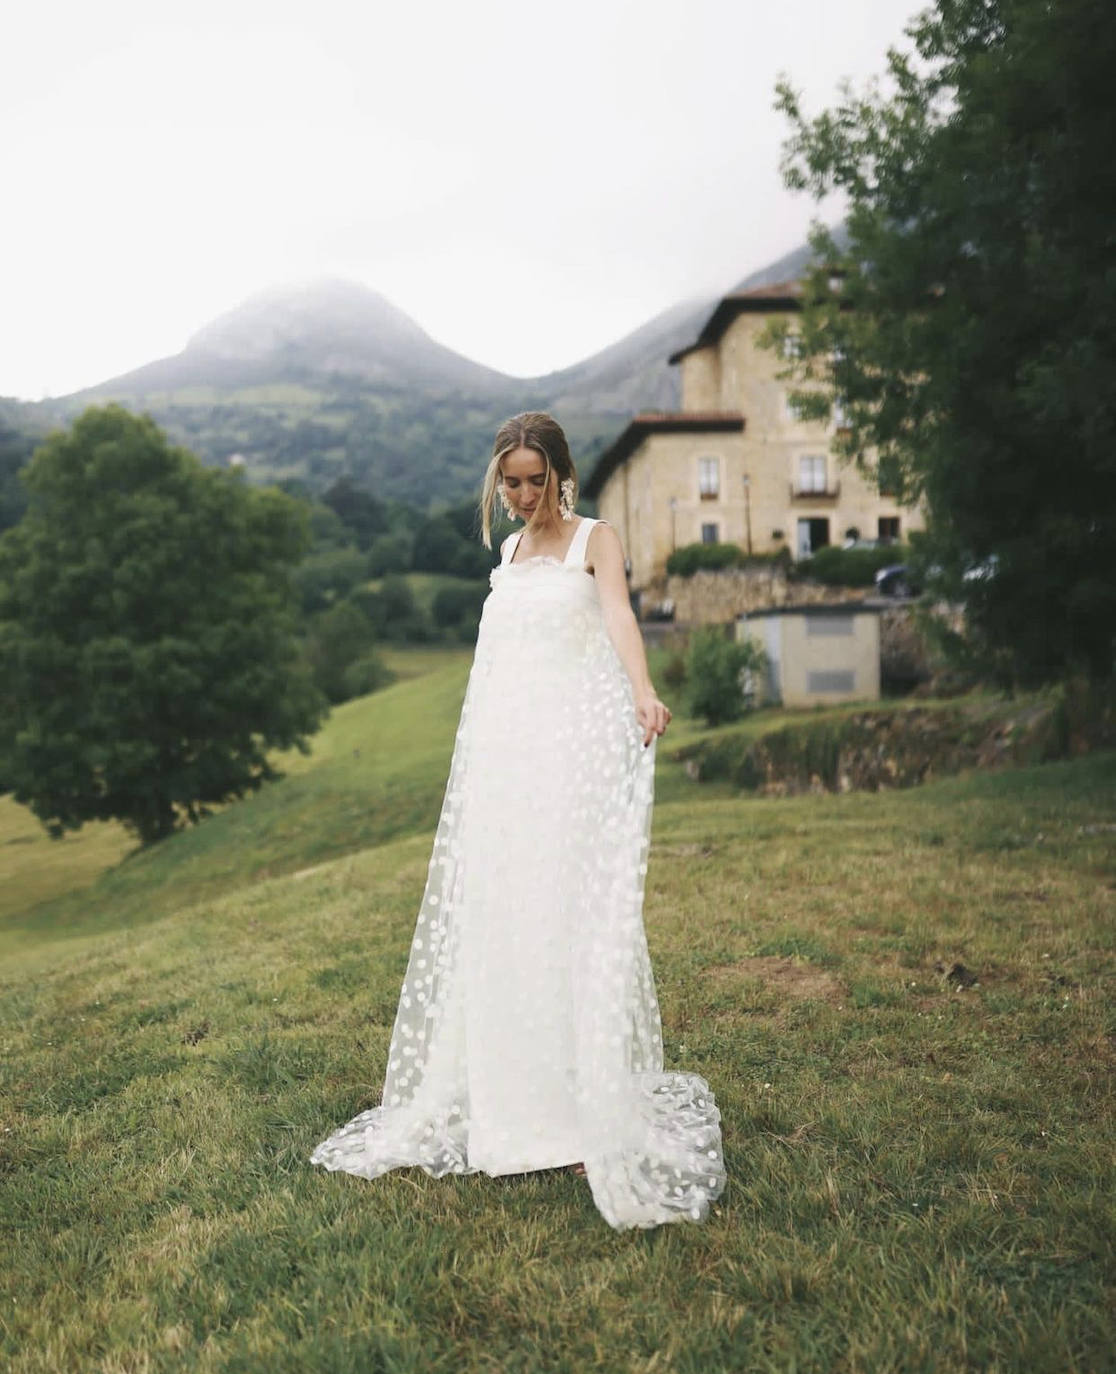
(779,296)
(865,607)
(658,422)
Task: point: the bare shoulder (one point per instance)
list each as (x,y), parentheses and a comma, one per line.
(603,536)
(603,547)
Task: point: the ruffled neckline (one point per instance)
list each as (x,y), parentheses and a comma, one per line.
(535,558)
(537,561)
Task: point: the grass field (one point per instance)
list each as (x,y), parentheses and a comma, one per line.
(902,1001)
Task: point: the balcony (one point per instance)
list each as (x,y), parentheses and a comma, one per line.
(830,492)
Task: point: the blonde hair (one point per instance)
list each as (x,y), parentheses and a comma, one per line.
(537,430)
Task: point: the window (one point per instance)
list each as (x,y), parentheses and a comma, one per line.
(829,624)
(710,533)
(709,478)
(889,527)
(792,412)
(830,680)
(811,472)
(792,344)
(840,415)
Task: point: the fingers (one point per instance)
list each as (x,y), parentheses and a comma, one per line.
(654,720)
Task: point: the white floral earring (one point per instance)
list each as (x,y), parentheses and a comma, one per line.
(566,500)
(502,493)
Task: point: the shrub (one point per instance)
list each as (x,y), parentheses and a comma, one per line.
(452,604)
(692,558)
(716,667)
(323,579)
(397,599)
(366,674)
(674,674)
(394,613)
(838,567)
(337,639)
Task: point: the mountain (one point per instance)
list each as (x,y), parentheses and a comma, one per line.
(321,328)
(790,265)
(325,378)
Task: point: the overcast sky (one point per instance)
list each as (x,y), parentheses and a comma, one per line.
(528,182)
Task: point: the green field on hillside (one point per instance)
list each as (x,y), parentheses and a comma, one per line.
(902,1001)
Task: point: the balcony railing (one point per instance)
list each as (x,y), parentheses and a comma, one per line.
(830,492)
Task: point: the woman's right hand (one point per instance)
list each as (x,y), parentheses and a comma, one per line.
(653,717)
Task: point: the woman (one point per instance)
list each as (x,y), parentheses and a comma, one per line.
(528,1033)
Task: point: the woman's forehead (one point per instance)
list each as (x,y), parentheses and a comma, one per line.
(523,462)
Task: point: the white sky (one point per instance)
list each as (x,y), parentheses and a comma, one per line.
(528,182)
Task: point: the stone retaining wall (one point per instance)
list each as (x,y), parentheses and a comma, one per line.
(714,598)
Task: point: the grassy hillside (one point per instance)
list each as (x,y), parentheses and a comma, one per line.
(376,770)
(898,998)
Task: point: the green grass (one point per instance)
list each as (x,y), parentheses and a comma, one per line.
(376,771)
(920,1166)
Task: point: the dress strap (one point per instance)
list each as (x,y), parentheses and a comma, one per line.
(575,554)
(510,546)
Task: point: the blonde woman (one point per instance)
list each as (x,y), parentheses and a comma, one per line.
(528,1033)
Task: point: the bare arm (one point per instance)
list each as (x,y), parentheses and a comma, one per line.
(606,553)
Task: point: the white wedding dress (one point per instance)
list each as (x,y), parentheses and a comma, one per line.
(528,1033)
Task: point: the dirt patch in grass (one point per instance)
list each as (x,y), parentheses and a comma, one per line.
(683,851)
(791,976)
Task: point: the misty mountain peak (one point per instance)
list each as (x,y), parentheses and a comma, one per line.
(328,313)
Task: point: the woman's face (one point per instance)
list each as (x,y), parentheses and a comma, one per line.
(524,476)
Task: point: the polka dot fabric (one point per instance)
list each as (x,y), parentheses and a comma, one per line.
(528,1032)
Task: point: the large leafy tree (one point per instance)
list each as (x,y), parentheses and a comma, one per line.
(147,652)
(967,326)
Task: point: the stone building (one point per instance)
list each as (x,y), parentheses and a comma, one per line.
(735,464)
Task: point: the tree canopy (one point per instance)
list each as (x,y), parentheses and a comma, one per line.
(968,326)
(148,661)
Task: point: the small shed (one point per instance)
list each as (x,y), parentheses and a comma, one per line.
(816,655)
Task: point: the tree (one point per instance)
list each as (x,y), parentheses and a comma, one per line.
(716,668)
(338,638)
(437,545)
(147,652)
(323,579)
(16,447)
(358,510)
(968,325)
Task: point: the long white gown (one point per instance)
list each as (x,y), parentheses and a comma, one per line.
(528,1032)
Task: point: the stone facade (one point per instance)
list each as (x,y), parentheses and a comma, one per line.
(715,598)
(755,475)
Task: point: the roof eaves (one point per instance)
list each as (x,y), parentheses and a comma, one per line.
(658,421)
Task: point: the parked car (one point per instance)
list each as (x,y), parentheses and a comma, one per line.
(660,610)
(981,572)
(894,580)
